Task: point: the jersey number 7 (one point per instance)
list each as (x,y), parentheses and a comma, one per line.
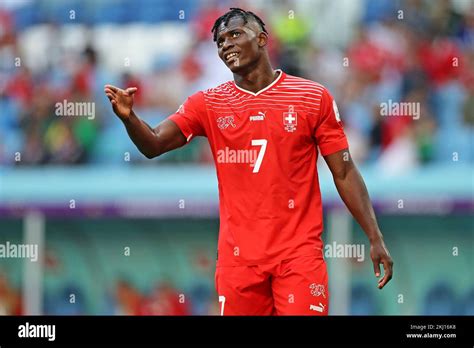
(263,146)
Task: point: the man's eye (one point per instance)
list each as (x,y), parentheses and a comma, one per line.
(235,34)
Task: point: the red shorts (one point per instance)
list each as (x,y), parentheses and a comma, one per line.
(298,286)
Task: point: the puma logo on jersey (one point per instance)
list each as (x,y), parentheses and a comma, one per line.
(319,308)
(259,117)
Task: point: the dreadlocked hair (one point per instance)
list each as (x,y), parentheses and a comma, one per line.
(236,12)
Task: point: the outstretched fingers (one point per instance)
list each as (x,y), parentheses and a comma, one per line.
(111,93)
(112,88)
(131,90)
(388,272)
(112,97)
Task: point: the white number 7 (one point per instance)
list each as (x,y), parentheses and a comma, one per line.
(222,299)
(261,153)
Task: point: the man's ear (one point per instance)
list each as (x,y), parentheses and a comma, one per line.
(262,39)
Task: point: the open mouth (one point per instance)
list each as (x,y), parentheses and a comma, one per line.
(232,55)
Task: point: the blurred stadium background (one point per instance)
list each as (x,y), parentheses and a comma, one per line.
(120,234)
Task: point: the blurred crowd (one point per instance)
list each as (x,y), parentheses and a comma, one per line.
(127,299)
(367,52)
(124,299)
(120,294)
(10,297)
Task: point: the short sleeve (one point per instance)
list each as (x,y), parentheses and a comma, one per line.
(189,116)
(329,133)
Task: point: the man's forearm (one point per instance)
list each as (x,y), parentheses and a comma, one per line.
(142,136)
(354,193)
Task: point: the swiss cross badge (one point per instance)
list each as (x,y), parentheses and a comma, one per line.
(317,290)
(290,120)
(226,121)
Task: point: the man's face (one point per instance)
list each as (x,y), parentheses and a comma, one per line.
(238,43)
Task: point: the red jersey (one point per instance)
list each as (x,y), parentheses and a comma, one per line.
(264,148)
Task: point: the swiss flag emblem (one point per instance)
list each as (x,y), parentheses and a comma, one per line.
(290,120)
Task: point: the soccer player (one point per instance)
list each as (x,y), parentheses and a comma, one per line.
(264,129)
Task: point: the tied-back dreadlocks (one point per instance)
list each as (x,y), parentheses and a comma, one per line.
(236,12)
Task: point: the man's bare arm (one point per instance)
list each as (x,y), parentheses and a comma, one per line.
(151,142)
(352,189)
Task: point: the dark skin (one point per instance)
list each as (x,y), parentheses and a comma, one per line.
(252,71)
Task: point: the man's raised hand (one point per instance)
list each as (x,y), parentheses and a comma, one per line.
(121,100)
